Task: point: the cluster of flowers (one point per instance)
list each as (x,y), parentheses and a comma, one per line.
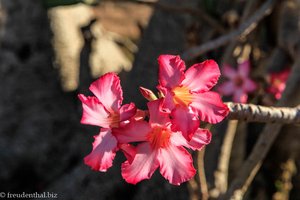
(239,85)
(172,125)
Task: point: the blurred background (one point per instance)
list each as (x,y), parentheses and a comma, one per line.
(51,50)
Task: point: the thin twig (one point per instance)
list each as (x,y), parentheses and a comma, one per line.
(193,189)
(251,166)
(243,30)
(256,113)
(221,174)
(201,173)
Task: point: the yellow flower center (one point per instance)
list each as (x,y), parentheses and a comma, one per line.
(114,120)
(159,137)
(182,96)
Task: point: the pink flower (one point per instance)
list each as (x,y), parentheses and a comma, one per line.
(277,82)
(159,147)
(239,83)
(105,110)
(186,94)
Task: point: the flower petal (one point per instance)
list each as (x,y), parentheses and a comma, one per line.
(104,151)
(240,96)
(184,120)
(129,151)
(127,111)
(142,166)
(93,112)
(227,88)
(249,85)
(244,68)
(202,77)
(108,90)
(135,131)
(140,115)
(201,138)
(229,71)
(176,164)
(171,70)
(210,107)
(156,114)
(167,103)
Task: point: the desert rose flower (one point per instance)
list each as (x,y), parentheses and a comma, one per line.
(159,147)
(239,84)
(186,94)
(278,82)
(105,110)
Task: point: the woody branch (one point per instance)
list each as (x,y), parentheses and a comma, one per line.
(257,113)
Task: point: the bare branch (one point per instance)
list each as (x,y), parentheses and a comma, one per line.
(256,113)
(242,31)
(221,174)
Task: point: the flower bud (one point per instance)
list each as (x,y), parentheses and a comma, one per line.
(148,94)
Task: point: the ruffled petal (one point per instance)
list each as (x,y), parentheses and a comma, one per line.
(210,107)
(244,68)
(171,70)
(249,85)
(240,96)
(93,112)
(229,71)
(176,164)
(127,111)
(227,88)
(167,103)
(142,166)
(104,151)
(184,120)
(200,138)
(108,90)
(202,77)
(135,131)
(157,116)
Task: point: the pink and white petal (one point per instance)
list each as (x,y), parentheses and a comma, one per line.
(229,71)
(157,116)
(104,151)
(184,120)
(249,85)
(93,112)
(240,96)
(210,107)
(127,111)
(167,103)
(135,131)
(108,90)
(227,88)
(201,138)
(142,166)
(171,70)
(244,68)
(176,164)
(202,77)
(129,151)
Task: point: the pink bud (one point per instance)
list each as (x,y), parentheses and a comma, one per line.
(148,94)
